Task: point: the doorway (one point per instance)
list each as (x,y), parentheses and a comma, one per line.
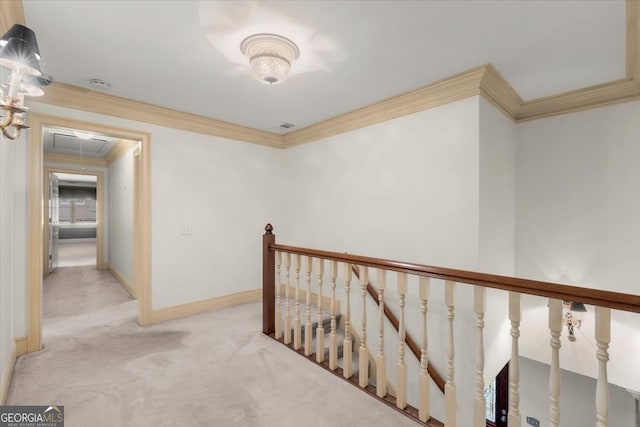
(497,399)
(38,263)
(74,231)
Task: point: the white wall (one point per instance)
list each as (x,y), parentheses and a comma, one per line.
(120,253)
(221,189)
(20,237)
(7,333)
(497,227)
(12,249)
(577,398)
(497,186)
(404,189)
(577,198)
(577,210)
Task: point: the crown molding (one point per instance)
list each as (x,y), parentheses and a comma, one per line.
(577,100)
(11,12)
(121,148)
(74,160)
(484,80)
(445,91)
(96,102)
(497,90)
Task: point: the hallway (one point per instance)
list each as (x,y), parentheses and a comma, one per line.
(212,369)
(70,292)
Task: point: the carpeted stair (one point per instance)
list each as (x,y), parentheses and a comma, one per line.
(326,324)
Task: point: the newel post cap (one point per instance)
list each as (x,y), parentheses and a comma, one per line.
(268,229)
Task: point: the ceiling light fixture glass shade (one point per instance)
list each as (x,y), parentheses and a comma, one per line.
(270,56)
(31,86)
(19,52)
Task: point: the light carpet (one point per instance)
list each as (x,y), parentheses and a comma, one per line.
(70,291)
(212,369)
(76,253)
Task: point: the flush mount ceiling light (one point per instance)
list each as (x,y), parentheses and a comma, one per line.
(270,56)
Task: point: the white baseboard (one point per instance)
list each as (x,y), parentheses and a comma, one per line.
(7,372)
(123,281)
(191,308)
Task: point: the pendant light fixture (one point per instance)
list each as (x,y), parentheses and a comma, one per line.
(19,53)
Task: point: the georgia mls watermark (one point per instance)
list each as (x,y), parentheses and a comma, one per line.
(31,416)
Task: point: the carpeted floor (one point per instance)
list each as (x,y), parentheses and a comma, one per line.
(70,291)
(212,369)
(76,253)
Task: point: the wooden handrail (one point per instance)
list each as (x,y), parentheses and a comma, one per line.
(615,300)
(411,343)
(268,282)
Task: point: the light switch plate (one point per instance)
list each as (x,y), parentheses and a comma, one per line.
(533,422)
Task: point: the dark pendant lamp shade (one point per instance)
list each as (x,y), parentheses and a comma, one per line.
(21,52)
(23,33)
(578,307)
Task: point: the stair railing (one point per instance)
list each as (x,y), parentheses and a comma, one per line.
(378,298)
(604,302)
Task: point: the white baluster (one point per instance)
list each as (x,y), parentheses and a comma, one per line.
(347,348)
(450,387)
(320,328)
(381,363)
(514,364)
(278,303)
(333,337)
(297,342)
(424,411)
(555,328)
(480,404)
(308,330)
(364,354)
(287,301)
(401,392)
(603,337)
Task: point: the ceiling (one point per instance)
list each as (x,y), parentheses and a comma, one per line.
(185,55)
(64,141)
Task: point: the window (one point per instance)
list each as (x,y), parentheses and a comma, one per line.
(490,401)
(77,205)
(497,399)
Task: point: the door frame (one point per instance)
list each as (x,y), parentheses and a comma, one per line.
(36,215)
(100,264)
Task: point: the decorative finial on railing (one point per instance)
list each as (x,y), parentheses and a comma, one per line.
(268,229)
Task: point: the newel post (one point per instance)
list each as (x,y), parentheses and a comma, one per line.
(268,282)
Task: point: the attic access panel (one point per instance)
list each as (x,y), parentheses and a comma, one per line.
(93,147)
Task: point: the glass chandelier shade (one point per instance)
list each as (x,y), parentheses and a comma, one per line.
(270,56)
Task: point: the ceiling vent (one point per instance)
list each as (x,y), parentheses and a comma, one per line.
(287,125)
(99,84)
